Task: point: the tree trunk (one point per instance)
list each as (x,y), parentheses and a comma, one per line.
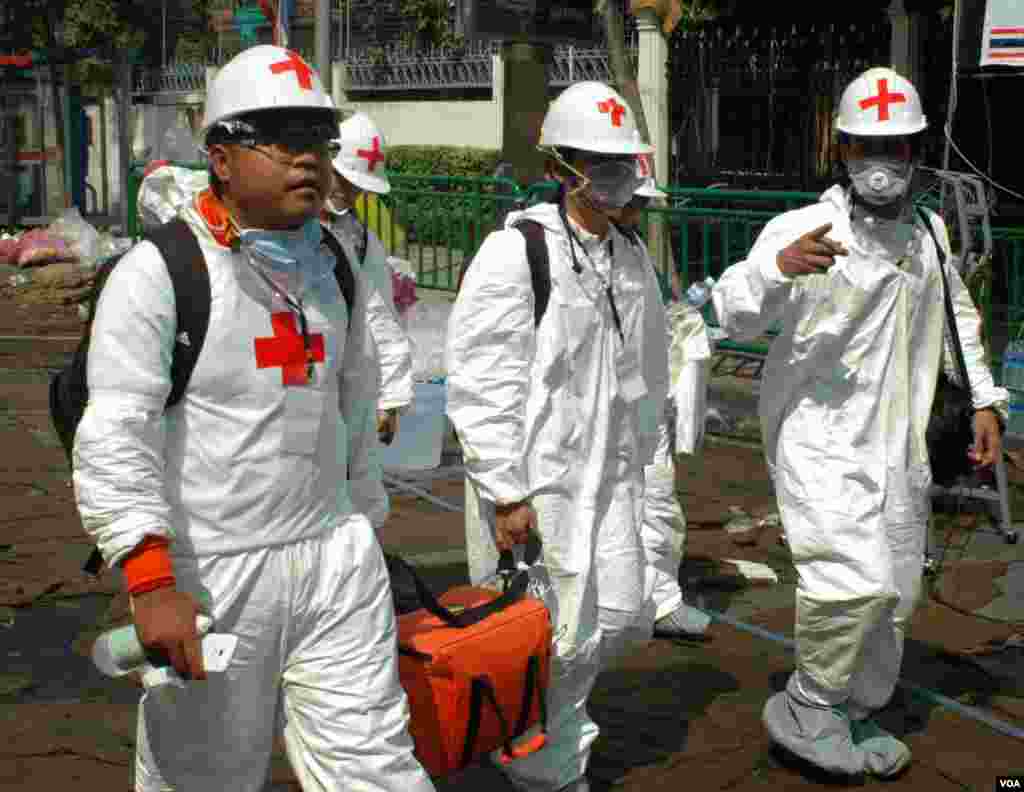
(623,73)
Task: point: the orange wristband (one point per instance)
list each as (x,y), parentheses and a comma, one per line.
(148,567)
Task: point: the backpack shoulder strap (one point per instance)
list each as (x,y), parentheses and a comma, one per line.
(190,279)
(540,266)
(630,233)
(342,270)
(954,333)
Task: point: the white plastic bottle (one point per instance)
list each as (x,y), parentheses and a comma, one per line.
(119,652)
(699,292)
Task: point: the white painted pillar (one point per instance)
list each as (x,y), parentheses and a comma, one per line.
(498,96)
(652,81)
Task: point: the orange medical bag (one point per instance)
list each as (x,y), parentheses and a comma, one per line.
(475,665)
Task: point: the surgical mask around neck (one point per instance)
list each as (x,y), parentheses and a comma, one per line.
(880,181)
(283,250)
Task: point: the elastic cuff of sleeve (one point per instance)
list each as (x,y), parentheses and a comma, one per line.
(768,267)
(148,566)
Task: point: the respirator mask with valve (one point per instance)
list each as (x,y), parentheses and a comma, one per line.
(603,184)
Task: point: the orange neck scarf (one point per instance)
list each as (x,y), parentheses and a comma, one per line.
(217,218)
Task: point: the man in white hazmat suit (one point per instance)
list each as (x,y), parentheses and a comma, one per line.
(249,494)
(358,169)
(845,402)
(663,531)
(557,419)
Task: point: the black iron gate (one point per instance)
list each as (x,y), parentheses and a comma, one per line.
(752,103)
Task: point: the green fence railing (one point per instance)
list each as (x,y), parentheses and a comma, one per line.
(438,223)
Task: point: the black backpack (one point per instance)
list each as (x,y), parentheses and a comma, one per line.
(186,266)
(540,265)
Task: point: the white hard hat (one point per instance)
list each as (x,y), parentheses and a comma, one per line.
(361,158)
(263,78)
(590,116)
(644,171)
(880,102)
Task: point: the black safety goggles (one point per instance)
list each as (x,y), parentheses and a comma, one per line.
(296,132)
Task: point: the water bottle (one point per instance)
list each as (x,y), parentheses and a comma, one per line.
(699,292)
(1013,365)
(1013,381)
(119,652)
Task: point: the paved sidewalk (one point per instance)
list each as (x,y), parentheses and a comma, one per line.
(674,716)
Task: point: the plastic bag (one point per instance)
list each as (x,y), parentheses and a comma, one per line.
(404,288)
(690,371)
(166,190)
(8,248)
(39,247)
(81,235)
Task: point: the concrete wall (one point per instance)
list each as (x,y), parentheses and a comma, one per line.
(467,123)
(476,123)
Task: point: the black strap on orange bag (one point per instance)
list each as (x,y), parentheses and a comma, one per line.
(483,689)
(513,589)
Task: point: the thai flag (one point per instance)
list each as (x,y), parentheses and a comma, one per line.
(1002,38)
(1006,44)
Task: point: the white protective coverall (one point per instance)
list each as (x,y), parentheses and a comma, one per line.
(393,346)
(845,401)
(680,431)
(564,415)
(262,489)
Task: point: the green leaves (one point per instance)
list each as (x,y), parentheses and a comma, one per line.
(442,160)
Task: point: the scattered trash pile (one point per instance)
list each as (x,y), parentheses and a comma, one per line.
(57,264)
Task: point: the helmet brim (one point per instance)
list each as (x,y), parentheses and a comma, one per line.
(630,147)
(876,131)
(370,182)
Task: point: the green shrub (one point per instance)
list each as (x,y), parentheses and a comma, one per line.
(462,161)
(452,218)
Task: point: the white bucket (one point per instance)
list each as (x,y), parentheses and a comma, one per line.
(420,438)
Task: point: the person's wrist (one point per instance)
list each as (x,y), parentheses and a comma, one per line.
(506,508)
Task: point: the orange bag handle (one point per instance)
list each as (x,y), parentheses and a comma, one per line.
(531,746)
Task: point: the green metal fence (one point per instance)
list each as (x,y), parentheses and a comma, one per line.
(438,222)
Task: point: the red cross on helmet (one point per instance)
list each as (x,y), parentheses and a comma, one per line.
(880,102)
(263,78)
(590,116)
(362,155)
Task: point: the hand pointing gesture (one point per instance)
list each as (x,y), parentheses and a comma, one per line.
(811,254)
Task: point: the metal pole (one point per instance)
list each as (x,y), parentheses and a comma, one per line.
(124,144)
(950,104)
(105,176)
(323,42)
(163,34)
(41,126)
